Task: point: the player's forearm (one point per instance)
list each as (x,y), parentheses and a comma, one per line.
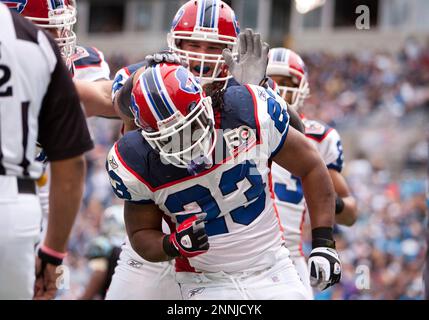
(67,180)
(149,245)
(95,97)
(348,215)
(319,196)
(295,120)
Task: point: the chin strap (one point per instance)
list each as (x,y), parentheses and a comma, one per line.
(199,164)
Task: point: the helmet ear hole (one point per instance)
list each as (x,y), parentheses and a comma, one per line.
(192,106)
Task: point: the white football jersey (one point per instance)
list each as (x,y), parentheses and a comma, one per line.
(289,197)
(243,229)
(88,65)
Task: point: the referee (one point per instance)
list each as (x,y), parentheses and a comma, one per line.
(38,102)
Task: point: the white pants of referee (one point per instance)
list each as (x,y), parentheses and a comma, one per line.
(278,282)
(20,216)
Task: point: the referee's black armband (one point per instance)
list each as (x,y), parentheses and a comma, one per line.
(339,205)
(47,258)
(323,237)
(169,248)
(124,97)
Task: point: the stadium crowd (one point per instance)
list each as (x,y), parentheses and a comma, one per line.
(383,253)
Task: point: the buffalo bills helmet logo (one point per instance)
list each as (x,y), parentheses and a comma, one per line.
(177,18)
(16,5)
(187,82)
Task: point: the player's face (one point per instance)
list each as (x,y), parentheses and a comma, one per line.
(56,33)
(286,82)
(202,47)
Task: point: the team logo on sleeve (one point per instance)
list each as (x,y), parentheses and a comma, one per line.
(17,5)
(187,83)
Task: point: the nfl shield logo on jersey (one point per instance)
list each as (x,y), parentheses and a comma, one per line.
(16,5)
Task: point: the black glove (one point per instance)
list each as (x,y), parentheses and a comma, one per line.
(324,264)
(189,240)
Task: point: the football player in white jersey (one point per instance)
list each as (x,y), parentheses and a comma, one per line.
(200,42)
(206,170)
(288,70)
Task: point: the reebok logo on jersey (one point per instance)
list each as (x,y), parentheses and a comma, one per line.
(195,291)
(262,95)
(134,264)
(113,163)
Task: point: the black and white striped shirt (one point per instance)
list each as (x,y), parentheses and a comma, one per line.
(38,101)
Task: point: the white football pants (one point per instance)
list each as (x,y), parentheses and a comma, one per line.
(20,216)
(138,279)
(301,266)
(279,282)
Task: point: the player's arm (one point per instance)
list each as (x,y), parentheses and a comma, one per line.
(66,189)
(64,135)
(302,159)
(144,229)
(122,102)
(295,120)
(345,203)
(95,97)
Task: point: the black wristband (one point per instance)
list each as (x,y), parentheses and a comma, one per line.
(169,248)
(47,258)
(339,205)
(323,237)
(124,97)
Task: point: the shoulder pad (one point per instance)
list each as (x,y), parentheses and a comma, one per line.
(316,130)
(87,57)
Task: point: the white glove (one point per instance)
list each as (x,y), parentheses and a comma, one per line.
(252,61)
(325,267)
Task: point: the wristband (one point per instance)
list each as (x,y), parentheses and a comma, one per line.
(51,256)
(169,248)
(323,237)
(339,205)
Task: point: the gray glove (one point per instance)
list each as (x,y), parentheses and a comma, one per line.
(252,61)
(164,56)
